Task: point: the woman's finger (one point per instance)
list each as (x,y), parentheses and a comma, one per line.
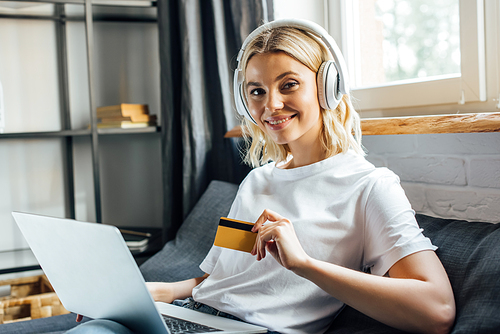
(264,237)
(267,215)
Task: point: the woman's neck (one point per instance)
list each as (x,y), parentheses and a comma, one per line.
(305,156)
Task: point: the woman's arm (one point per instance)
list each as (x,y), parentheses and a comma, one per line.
(417,295)
(168,292)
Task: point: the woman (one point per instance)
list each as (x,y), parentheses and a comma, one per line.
(325,215)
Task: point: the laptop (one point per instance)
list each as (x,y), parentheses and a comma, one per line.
(94,274)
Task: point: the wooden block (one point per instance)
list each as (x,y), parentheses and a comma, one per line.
(45,285)
(17,312)
(45,311)
(36,313)
(23,290)
(31,298)
(16,320)
(21,280)
(46,300)
(36,305)
(27,286)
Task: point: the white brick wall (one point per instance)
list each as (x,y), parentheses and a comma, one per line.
(444,175)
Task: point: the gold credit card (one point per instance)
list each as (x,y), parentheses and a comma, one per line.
(235,234)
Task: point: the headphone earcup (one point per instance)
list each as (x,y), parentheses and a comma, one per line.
(239,98)
(327,79)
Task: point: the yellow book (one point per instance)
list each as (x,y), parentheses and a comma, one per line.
(131,118)
(122,110)
(125,125)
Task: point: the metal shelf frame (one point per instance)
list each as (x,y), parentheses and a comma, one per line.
(78,133)
(124,3)
(66,133)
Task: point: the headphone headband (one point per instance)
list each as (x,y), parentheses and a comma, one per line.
(310,27)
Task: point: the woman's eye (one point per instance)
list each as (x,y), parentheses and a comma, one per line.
(257,91)
(290,84)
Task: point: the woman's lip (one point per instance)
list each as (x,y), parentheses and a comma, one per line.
(279,123)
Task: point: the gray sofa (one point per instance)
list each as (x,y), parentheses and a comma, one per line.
(470,252)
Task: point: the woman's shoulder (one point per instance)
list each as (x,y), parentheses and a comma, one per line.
(258,173)
(353,169)
(262,170)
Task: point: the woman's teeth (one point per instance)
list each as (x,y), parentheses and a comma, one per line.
(280,121)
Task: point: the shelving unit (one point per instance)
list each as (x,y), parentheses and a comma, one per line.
(66,133)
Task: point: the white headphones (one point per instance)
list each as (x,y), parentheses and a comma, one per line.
(332,78)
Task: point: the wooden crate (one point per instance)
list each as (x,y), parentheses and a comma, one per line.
(30,298)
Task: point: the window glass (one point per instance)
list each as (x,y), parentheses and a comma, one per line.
(403,40)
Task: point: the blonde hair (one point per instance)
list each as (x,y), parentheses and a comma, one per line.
(341,127)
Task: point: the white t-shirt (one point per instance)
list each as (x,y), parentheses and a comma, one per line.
(344,211)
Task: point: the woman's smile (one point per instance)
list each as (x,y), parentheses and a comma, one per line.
(277,123)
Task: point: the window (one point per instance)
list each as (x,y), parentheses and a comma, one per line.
(410,57)
(404,40)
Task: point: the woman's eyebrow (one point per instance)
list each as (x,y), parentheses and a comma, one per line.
(253,83)
(282,75)
(279,77)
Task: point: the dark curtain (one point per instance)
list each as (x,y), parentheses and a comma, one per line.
(199,41)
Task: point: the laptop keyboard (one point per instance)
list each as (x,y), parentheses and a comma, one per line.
(180,326)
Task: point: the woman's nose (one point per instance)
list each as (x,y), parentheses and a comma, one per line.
(274,101)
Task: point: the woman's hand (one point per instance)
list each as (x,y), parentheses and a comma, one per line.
(168,292)
(276,235)
(162,292)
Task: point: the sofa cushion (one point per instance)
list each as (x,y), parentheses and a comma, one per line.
(470,253)
(179,259)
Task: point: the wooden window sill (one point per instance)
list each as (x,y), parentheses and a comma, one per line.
(461,123)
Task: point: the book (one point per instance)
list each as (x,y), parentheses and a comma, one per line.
(131,118)
(125,116)
(125,125)
(139,241)
(122,110)
(136,241)
(136,250)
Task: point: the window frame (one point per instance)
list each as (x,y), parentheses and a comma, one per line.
(469,86)
(449,94)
